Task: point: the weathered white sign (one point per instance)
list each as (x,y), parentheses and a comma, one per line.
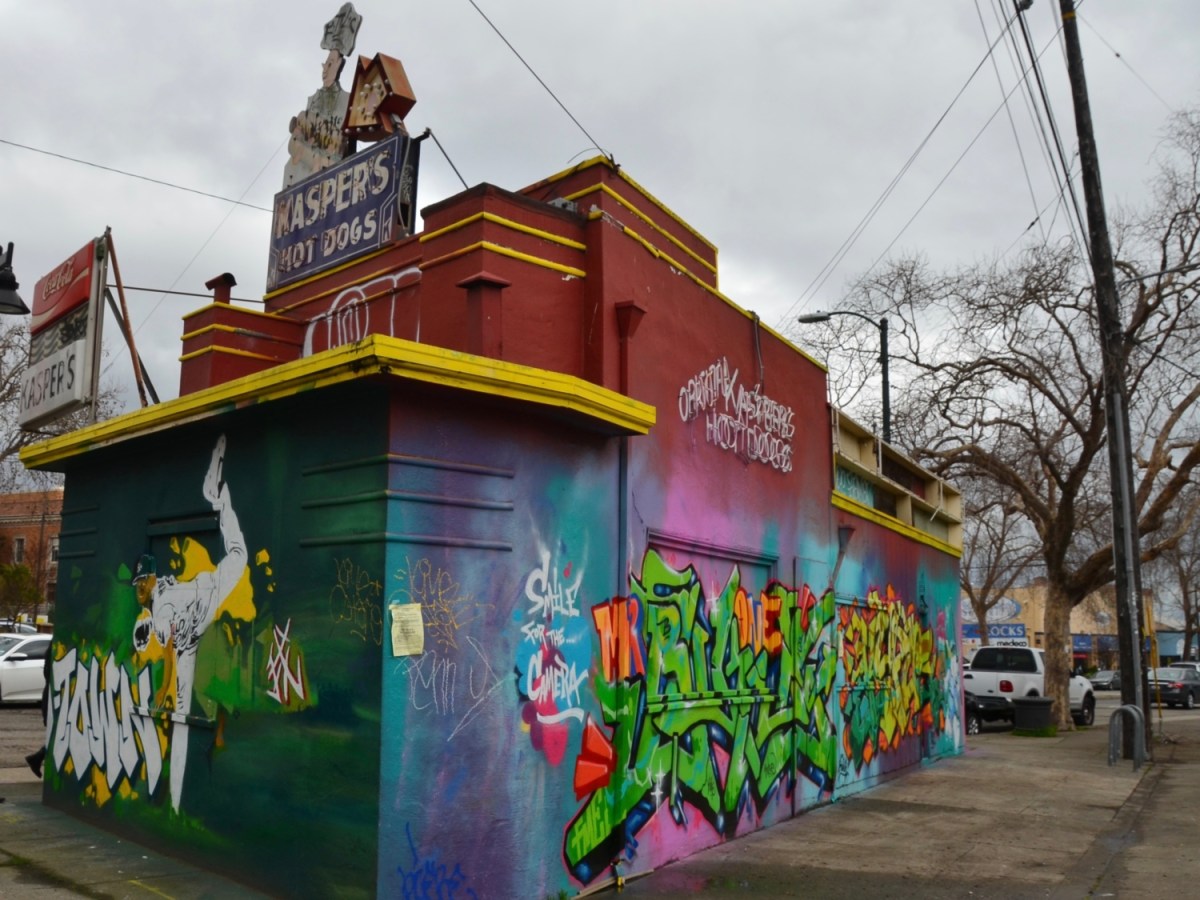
(55,385)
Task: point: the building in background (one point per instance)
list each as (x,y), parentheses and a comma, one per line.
(1017,620)
(30,523)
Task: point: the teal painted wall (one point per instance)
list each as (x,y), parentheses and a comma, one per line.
(272,605)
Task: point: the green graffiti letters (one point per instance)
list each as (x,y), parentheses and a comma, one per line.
(713,704)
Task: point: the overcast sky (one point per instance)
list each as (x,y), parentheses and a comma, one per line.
(771,126)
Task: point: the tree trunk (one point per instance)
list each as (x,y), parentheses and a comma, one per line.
(1057,628)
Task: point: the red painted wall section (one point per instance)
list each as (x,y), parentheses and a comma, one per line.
(554,275)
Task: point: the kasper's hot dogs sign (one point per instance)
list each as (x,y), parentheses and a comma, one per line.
(341,212)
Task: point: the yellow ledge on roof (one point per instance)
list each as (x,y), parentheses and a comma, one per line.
(850,505)
(372,356)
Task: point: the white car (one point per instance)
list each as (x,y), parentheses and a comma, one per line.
(22,657)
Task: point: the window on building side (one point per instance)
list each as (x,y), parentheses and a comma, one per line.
(54,549)
(18,550)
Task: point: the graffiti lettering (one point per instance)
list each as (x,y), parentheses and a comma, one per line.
(433,684)
(549,687)
(444,608)
(360,310)
(427,879)
(283,679)
(547,595)
(765,665)
(742,420)
(616,622)
(894,671)
(95,723)
(356,598)
(550,679)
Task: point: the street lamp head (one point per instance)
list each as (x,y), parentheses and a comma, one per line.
(11,303)
(815,317)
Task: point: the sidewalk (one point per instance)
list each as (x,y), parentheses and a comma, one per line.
(47,855)
(1014,817)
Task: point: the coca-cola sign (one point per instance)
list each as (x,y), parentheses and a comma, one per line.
(63,290)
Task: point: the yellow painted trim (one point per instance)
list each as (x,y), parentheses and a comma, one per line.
(237,329)
(506,223)
(849,504)
(372,356)
(504,251)
(228,351)
(605,189)
(604,161)
(653,250)
(241,310)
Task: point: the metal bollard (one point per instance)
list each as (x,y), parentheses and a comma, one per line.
(1139,731)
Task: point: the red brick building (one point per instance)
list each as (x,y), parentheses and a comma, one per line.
(29,527)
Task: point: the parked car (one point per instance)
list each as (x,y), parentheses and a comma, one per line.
(1185,664)
(21,659)
(8,626)
(1106,680)
(1175,686)
(982,709)
(1008,672)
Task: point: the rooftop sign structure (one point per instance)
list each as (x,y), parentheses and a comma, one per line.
(337,205)
(317,140)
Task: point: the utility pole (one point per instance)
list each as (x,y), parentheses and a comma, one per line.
(1126,552)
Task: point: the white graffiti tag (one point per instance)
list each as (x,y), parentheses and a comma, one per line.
(557,681)
(283,680)
(743,420)
(97,723)
(547,595)
(433,683)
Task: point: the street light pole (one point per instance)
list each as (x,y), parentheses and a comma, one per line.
(882,325)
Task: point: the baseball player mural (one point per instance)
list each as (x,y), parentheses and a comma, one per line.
(177,613)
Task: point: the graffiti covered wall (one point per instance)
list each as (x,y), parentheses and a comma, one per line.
(210,682)
(553,732)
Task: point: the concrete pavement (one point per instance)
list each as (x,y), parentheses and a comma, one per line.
(1014,817)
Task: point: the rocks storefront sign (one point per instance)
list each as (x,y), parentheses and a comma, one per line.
(736,418)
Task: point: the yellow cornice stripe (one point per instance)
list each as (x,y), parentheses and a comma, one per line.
(627,178)
(374,355)
(365,279)
(237,329)
(506,223)
(850,505)
(604,161)
(504,251)
(228,351)
(241,310)
(605,189)
(655,251)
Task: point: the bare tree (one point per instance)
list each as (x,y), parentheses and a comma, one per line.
(1005,385)
(1176,573)
(998,549)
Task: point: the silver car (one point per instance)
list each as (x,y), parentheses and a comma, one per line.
(22,657)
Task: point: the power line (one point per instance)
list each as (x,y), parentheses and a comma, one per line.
(823,275)
(1012,125)
(542,83)
(178,187)
(1124,62)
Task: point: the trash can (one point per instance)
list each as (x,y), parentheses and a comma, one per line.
(1032,713)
